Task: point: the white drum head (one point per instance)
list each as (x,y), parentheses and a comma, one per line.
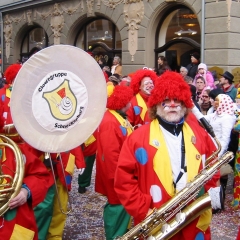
(58,98)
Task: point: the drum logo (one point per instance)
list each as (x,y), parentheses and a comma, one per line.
(59,101)
(62,102)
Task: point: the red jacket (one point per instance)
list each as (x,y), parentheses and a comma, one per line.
(136,179)
(36,178)
(110,138)
(69,160)
(135,111)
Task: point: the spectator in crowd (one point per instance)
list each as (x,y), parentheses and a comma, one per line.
(212,95)
(226,82)
(188,80)
(222,120)
(204,102)
(102,62)
(126,80)
(162,65)
(193,66)
(183,71)
(194,95)
(200,86)
(117,66)
(207,75)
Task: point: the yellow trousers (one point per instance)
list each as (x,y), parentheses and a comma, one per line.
(56,228)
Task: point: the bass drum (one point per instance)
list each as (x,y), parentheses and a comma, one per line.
(58,98)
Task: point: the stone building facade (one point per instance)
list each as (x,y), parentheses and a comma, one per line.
(138,31)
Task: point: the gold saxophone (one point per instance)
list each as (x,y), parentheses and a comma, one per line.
(175,214)
(12,187)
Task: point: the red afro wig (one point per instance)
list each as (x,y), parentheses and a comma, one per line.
(170,85)
(11,72)
(138,76)
(120,97)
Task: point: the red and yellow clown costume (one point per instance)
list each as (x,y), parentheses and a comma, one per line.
(89,148)
(69,159)
(49,218)
(138,112)
(5,92)
(111,134)
(19,223)
(144,174)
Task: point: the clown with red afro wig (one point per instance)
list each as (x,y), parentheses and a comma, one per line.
(138,77)
(171,85)
(11,72)
(119,98)
(5,92)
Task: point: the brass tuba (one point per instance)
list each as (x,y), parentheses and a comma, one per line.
(12,187)
(57,103)
(165,222)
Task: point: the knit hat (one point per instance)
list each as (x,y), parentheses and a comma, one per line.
(115,78)
(215,92)
(11,72)
(119,98)
(202,65)
(195,55)
(170,85)
(138,76)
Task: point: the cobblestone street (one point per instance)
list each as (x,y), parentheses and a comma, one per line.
(85,223)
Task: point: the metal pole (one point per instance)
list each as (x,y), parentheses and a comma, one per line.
(203,31)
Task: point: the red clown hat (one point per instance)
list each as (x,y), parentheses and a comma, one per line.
(138,76)
(170,85)
(11,72)
(119,98)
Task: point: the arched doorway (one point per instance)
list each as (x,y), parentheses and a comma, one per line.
(101,38)
(34,40)
(178,35)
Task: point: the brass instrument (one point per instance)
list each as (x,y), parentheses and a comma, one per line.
(10,131)
(59,101)
(175,214)
(10,189)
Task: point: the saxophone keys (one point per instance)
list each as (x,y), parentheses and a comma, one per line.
(180,217)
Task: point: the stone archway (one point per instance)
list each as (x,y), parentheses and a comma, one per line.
(158,25)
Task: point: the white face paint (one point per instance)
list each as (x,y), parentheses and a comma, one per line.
(171,110)
(146,85)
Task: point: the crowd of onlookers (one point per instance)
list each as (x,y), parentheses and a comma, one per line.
(216,98)
(128,108)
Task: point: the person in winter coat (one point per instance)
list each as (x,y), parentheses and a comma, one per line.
(193,66)
(222,120)
(207,75)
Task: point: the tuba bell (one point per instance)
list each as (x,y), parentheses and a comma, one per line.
(12,187)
